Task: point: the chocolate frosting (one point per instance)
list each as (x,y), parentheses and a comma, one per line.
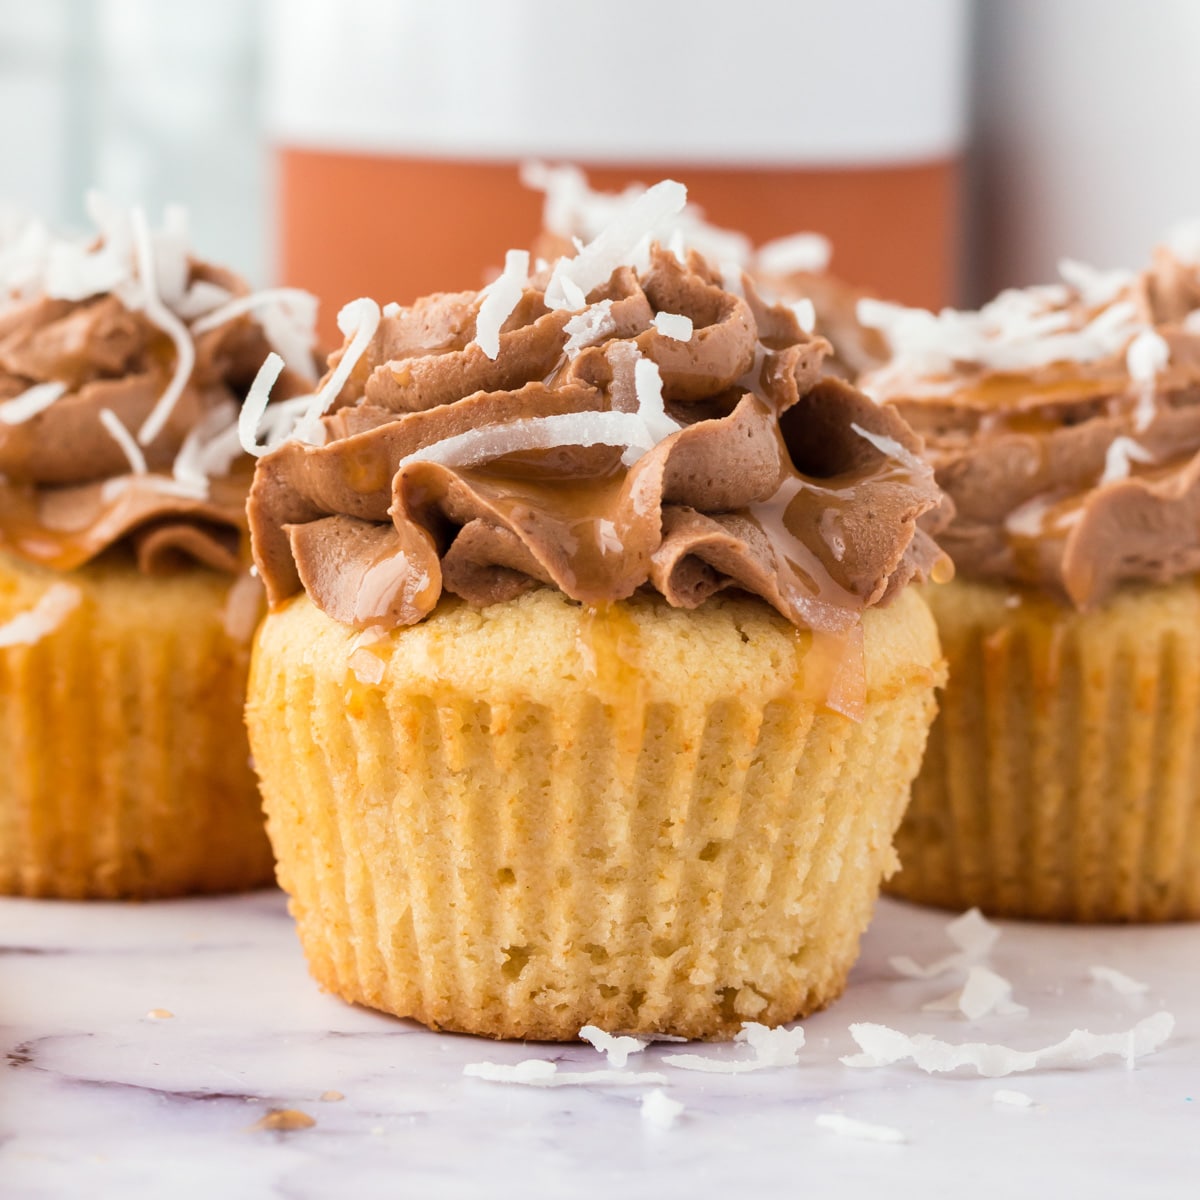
(66,491)
(765,485)
(1077,474)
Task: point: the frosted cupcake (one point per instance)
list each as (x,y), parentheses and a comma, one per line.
(592,687)
(1062,779)
(126,608)
(793,269)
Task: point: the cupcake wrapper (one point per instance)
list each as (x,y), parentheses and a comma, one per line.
(126,765)
(520,870)
(1062,779)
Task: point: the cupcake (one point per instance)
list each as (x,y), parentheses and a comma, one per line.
(126,607)
(592,686)
(1062,780)
(793,269)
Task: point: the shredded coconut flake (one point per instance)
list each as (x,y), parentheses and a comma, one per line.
(659,1110)
(1147,355)
(1183,240)
(1017,331)
(890,447)
(539,1072)
(864,1131)
(499,299)
(1095,287)
(806,314)
(799,252)
(158,313)
(616,1048)
(1013,1098)
(30,402)
(1121,983)
(588,327)
(674,325)
(647,381)
(124,439)
(254,407)
(210,448)
(358,321)
(620,243)
(770,1047)
(881,1047)
(287,316)
(1121,454)
(984,993)
(52,607)
(488,442)
(972,933)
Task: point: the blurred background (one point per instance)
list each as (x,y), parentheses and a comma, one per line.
(947,147)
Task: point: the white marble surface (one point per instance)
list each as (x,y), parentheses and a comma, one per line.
(99,1100)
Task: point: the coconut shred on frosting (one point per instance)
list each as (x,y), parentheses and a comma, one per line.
(123,361)
(792,269)
(554,430)
(1064,423)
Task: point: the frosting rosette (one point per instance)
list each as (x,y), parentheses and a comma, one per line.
(1064,423)
(123,362)
(627,418)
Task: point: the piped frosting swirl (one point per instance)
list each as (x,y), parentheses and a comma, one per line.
(123,360)
(1064,422)
(595,453)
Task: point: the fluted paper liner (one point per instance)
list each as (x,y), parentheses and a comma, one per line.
(517,821)
(126,768)
(1062,779)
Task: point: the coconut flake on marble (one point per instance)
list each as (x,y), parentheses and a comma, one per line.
(972,933)
(882,1047)
(779,1047)
(659,1110)
(983,993)
(1012,1098)
(615,1047)
(540,1072)
(1124,985)
(864,1131)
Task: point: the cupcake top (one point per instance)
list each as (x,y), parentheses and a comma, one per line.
(792,268)
(1064,422)
(622,419)
(122,363)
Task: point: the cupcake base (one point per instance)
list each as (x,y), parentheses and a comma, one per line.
(1062,779)
(518,820)
(126,767)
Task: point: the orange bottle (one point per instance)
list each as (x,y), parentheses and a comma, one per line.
(398,127)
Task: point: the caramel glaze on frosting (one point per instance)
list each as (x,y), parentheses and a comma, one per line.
(765,486)
(66,492)
(1073,476)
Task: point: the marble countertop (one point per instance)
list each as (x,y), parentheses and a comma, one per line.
(146,1043)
